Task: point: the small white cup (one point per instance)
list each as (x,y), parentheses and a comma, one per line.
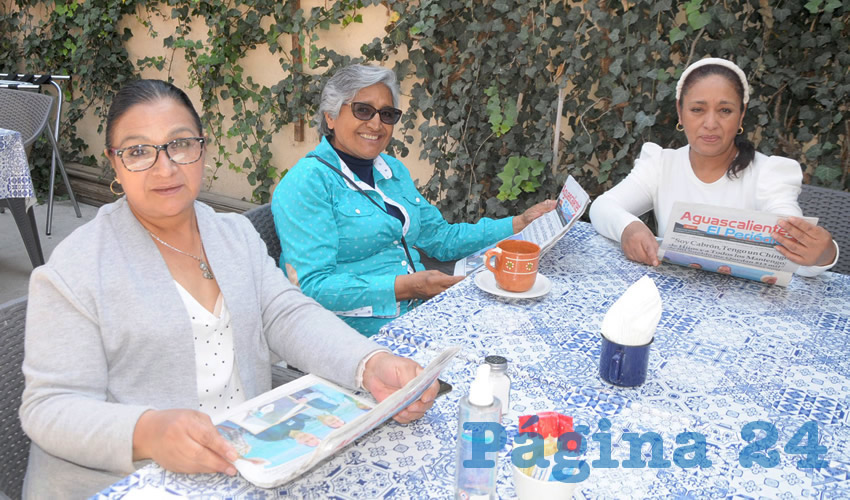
(528,488)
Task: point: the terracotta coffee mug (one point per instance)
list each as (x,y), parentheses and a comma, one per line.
(516,264)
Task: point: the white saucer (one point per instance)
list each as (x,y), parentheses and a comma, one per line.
(486,281)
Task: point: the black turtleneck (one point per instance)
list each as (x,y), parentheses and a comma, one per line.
(363,169)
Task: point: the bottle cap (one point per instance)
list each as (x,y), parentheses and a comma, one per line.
(497,363)
(481,390)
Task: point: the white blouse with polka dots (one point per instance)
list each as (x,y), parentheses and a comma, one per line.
(219,386)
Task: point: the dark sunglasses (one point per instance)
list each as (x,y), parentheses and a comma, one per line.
(365,112)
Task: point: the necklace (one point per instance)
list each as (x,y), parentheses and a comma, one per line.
(203,265)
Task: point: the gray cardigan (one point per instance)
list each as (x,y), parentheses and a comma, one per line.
(108,337)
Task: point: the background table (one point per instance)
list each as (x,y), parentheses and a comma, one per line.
(15,180)
(17,192)
(727,352)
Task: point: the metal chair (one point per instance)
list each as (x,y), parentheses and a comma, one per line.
(832,208)
(44,80)
(25,220)
(14,453)
(263,221)
(29,114)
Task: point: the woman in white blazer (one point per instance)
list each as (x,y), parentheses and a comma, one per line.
(717,167)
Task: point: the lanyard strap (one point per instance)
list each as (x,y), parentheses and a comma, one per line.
(358,188)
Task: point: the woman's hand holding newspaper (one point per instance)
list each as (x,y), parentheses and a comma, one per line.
(522,220)
(806,244)
(386,373)
(639,244)
(182,441)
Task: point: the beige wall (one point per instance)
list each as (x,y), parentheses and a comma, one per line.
(265,69)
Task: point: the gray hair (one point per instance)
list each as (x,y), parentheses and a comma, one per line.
(345,84)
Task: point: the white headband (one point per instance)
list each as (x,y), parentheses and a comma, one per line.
(719,62)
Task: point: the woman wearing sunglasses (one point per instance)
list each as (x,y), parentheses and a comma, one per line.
(160,314)
(349,216)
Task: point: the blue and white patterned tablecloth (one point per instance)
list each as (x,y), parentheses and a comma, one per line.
(727,352)
(15,180)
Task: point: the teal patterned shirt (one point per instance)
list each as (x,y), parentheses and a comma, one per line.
(346,252)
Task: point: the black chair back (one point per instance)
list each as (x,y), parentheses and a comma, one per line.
(15,450)
(263,221)
(832,208)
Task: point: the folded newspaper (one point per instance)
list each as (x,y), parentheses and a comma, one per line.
(727,241)
(545,231)
(287,431)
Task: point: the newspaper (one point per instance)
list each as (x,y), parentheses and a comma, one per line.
(727,241)
(545,231)
(287,431)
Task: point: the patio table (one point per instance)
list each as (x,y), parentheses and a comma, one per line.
(15,180)
(727,353)
(17,192)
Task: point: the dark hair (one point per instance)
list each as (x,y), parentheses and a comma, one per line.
(746,149)
(141,92)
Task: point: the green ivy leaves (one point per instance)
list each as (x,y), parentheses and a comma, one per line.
(95,55)
(502,117)
(620,62)
(521,174)
(814,6)
(696,18)
(466,64)
(81,39)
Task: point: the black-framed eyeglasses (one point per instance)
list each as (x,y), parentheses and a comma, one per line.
(143,156)
(365,112)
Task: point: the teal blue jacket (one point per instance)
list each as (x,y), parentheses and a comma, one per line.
(346,252)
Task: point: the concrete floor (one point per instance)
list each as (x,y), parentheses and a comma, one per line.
(15,266)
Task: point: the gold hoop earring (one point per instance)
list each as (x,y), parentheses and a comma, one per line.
(112,187)
(679,127)
(740,130)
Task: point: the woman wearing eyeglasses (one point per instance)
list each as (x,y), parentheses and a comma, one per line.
(349,216)
(160,314)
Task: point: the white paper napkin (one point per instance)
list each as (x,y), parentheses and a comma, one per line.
(633,318)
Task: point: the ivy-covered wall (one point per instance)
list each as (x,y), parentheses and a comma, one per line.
(491,75)
(254,69)
(486,79)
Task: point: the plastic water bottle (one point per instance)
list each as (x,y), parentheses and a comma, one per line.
(478,406)
(500,380)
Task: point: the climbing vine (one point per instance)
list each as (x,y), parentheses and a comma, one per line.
(489,80)
(491,77)
(86,39)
